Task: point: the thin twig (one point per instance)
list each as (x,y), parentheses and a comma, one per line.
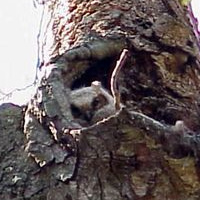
(8,95)
(114,77)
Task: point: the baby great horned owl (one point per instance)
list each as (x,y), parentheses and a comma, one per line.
(91,104)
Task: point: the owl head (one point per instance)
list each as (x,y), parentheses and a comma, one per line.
(91,104)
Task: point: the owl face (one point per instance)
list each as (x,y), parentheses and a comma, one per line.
(89,105)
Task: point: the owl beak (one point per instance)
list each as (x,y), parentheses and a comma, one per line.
(88,116)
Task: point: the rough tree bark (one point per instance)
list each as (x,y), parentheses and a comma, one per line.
(150,148)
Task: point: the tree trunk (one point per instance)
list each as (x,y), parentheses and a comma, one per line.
(146,148)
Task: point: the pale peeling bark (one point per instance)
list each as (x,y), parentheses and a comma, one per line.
(150,148)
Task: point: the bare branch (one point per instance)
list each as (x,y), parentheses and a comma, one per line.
(9,94)
(115,74)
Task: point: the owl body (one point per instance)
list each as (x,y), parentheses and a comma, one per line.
(91,104)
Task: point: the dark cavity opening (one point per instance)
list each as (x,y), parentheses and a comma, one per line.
(98,71)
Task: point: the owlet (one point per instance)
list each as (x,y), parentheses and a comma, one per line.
(91,104)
